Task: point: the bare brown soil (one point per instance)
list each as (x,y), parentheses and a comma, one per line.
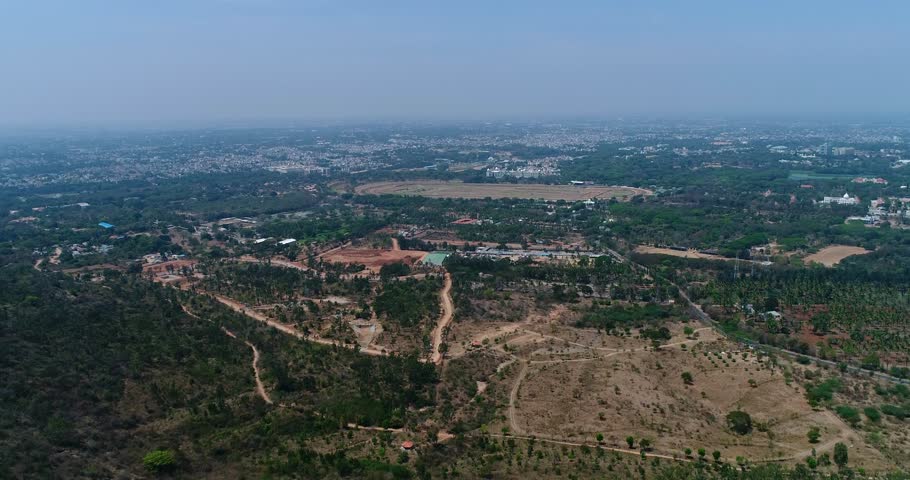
(439,189)
(569,392)
(445,299)
(832,255)
(372,259)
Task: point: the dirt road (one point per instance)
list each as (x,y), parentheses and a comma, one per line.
(395,246)
(260,388)
(513,396)
(592,445)
(448,310)
(290,329)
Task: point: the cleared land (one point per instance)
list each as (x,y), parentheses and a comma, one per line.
(678,253)
(625,388)
(831,256)
(372,259)
(434,189)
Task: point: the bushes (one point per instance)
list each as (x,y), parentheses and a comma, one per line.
(687,378)
(159,461)
(631,316)
(397,269)
(872,414)
(896,411)
(848,413)
(823,391)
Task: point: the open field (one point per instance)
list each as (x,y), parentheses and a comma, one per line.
(678,253)
(831,256)
(373,259)
(622,390)
(438,189)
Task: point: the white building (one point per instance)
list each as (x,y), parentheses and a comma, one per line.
(845,200)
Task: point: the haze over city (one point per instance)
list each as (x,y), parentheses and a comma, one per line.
(206,62)
(418,240)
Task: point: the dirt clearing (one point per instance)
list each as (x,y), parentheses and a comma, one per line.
(831,256)
(371,258)
(435,189)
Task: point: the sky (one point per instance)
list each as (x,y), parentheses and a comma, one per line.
(180,62)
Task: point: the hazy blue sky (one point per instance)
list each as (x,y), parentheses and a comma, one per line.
(127,62)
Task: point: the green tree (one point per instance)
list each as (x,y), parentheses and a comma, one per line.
(687,378)
(840,454)
(644,444)
(814,434)
(821,323)
(872,414)
(631,441)
(599,437)
(740,422)
(812,462)
(716,455)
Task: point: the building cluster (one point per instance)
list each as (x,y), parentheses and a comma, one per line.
(875,180)
(342,150)
(505,165)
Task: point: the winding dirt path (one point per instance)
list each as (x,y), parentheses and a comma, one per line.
(290,329)
(395,246)
(38,263)
(843,436)
(592,445)
(513,396)
(448,311)
(260,388)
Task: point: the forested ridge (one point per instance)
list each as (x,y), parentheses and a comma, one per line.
(97,376)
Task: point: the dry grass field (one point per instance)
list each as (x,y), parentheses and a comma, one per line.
(569,385)
(677,253)
(641,393)
(831,256)
(439,189)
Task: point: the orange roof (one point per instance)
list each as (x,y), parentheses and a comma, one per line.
(407,445)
